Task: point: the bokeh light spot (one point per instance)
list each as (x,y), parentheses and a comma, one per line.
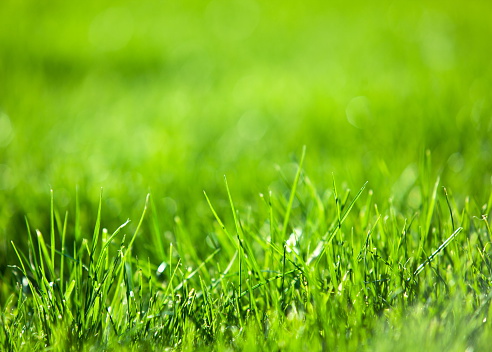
(358,112)
(251,126)
(456,162)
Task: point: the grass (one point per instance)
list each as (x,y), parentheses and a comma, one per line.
(348,277)
(374,236)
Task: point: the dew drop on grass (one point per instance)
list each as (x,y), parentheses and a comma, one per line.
(161,268)
(291,243)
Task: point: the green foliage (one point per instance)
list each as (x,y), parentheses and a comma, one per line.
(318,280)
(375,234)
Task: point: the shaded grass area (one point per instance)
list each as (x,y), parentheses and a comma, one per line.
(166,98)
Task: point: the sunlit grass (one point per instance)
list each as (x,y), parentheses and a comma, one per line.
(349,272)
(376,234)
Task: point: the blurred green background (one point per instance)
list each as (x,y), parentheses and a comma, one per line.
(168,96)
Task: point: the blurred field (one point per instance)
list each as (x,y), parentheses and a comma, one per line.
(167,97)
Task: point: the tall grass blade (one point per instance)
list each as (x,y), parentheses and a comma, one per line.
(52,228)
(437,251)
(344,215)
(139,225)
(292,195)
(430,209)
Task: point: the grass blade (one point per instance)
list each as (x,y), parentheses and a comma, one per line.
(436,252)
(292,195)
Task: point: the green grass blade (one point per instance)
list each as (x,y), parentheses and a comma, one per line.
(292,195)
(345,214)
(97,228)
(437,251)
(430,209)
(52,228)
(139,225)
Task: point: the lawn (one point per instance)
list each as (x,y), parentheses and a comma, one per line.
(245,175)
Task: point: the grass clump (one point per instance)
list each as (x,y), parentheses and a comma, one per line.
(317,270)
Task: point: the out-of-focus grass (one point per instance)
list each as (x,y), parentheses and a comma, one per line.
(169,96)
